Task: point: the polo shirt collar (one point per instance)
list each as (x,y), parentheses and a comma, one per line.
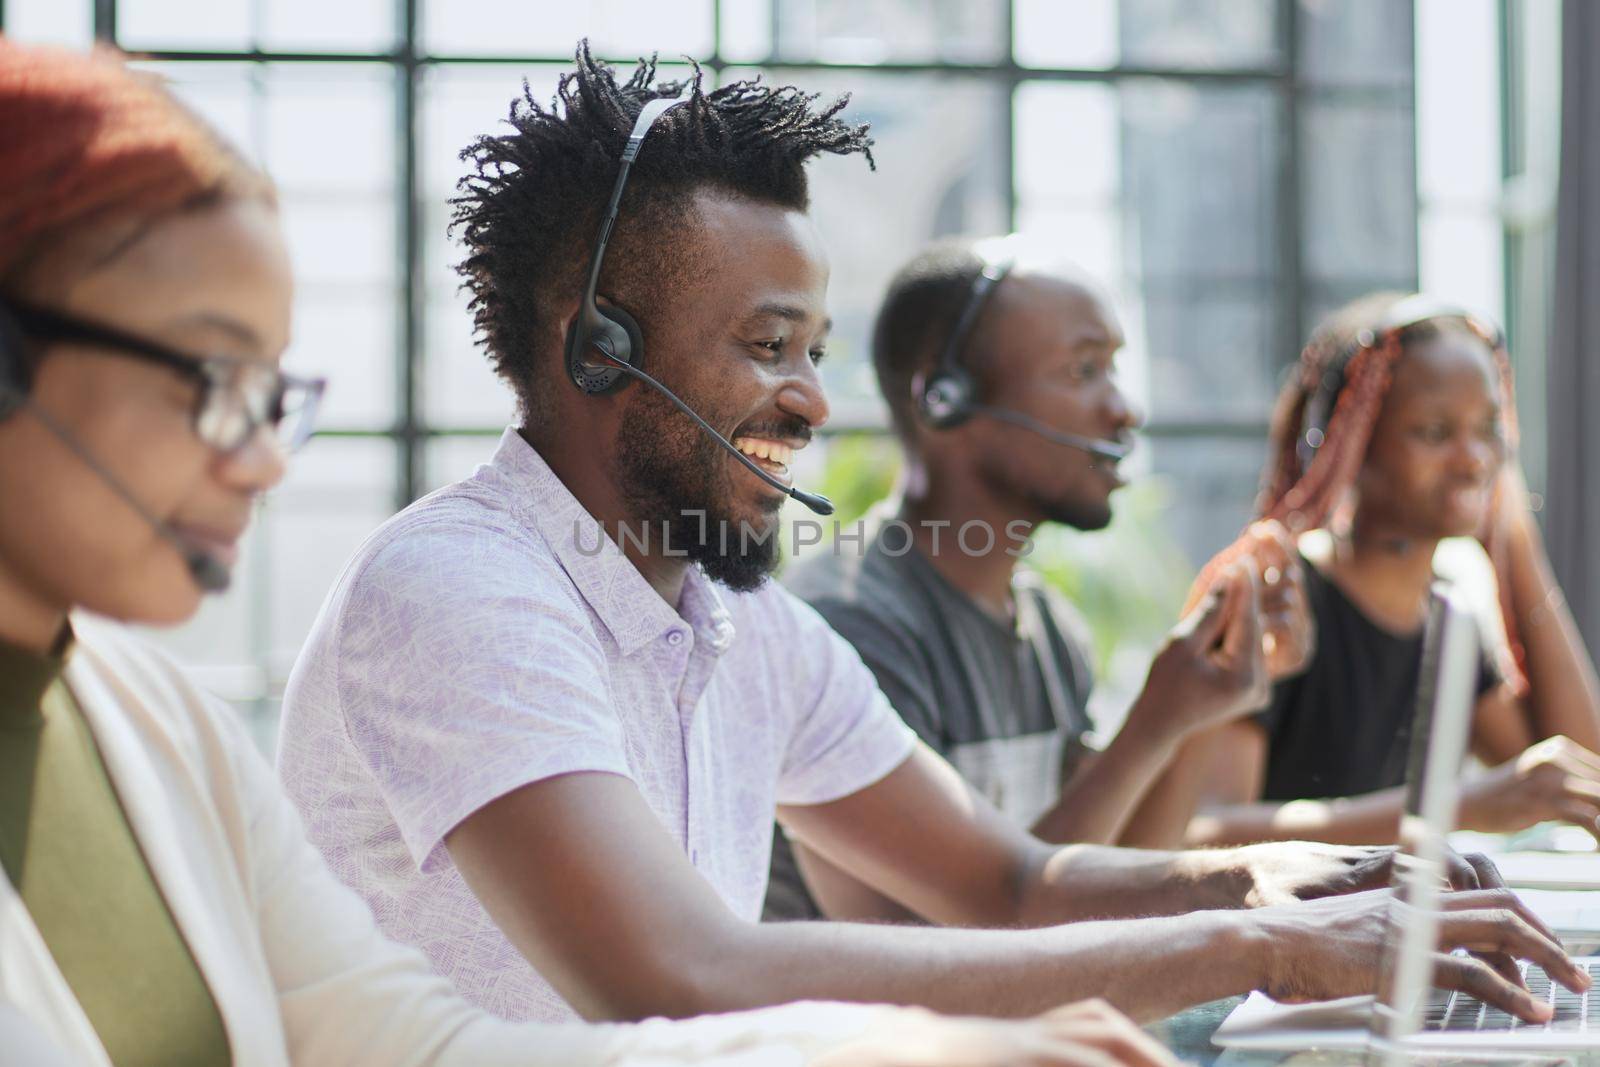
(620,597)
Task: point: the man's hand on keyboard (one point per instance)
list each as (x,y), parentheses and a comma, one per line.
(1334,947)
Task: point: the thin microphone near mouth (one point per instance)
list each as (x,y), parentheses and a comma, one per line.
(208,572)
(1109,450)
(818,503)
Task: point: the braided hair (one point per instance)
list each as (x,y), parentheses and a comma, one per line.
(529,207)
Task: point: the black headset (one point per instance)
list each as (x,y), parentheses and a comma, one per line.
(949,396)
(610,329)
(614,333)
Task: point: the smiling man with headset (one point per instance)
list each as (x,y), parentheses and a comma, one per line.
(552,760)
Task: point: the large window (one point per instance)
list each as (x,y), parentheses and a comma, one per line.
(1231,168)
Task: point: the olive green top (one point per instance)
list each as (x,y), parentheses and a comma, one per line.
(66,845)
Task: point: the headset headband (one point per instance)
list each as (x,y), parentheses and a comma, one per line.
(641,126)
(994,272)
(1402,315)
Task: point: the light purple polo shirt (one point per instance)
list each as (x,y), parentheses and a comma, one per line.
(485,638)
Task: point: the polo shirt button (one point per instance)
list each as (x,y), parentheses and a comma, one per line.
(674,637)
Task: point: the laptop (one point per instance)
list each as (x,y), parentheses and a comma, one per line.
(1408,1016)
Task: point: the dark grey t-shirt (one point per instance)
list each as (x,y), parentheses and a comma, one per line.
(976,689)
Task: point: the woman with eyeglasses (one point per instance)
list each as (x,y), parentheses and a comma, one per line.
(160,904)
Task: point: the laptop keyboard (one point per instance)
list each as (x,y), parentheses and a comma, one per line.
(1574,1012)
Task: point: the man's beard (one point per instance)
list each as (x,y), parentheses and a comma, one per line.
(1063,507)
(677,488)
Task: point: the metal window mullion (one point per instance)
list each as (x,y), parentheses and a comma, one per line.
(1416,161)
(1008,121)
(408,436)
(105,21)
(1290,208)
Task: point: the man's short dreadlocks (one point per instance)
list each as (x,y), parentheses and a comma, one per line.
(529,209)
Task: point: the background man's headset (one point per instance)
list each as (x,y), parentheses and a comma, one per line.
(16,385)
(949,397)
(614,334)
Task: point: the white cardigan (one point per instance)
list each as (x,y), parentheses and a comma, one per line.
(296,964)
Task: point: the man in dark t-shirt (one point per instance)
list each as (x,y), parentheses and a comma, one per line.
(999,380)
(1005,705)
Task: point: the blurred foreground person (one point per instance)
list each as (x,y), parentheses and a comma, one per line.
(160,904)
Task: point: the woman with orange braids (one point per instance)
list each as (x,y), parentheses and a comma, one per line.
(1396,435)
(159,902)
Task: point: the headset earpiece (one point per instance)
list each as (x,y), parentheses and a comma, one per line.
(15,380)
(610,329)
(949,396)
(946,400)
(616,333)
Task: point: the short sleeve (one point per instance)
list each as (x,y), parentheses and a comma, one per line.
(846,734)
(461,678)
(898,663)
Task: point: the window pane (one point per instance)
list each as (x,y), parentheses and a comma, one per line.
(1358,200)
(1211,485)
(180,24)
(460,388)
(1458,103)
(613,27)
(340,239)
(939,153)
(338,490)
(50,22)
(450,459)
(227,95)
(459,104)
(1463,259)
(895,31)
(329,127)
(318,26)
(1097,34)
(1355,42)
(1167,192)
(746,30)
(347,334)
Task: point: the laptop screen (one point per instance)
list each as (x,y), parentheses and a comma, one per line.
(1440,728)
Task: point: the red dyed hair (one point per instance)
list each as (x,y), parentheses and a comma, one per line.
(1353,357)
(84,139)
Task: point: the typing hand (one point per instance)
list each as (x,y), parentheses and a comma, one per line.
(1334,947)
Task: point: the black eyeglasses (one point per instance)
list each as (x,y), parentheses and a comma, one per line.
(237,396)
